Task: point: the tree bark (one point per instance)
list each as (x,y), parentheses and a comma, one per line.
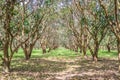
(6,65)
(95,54)
(85,44)
(28,51)
(80,49)
(6,60)
(118,47)
(43,46)
(90,49)
(27,54)
(108,47)
(84,52)
(44,51)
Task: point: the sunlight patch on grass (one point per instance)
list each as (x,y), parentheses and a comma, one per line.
(105,53)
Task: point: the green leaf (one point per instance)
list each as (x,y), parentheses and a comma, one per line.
(26,23)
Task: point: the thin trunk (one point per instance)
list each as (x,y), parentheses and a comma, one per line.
(85,45)
(108,43)
(90,49)
(76,48)
(108,47)
(79,40)
(43,46)
(79,45)
(118,47)
(84,52)
(81,49)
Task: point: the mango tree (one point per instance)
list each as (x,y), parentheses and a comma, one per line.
(113,20)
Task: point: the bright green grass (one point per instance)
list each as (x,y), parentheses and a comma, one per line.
(106,54)
(62,52)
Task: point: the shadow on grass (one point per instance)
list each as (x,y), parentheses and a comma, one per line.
(104,69)
(42,69)
(39,68)
(38,65)
(96,77)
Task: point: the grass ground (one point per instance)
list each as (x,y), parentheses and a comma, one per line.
(62,64)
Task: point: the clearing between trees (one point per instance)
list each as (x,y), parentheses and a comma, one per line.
(57,65)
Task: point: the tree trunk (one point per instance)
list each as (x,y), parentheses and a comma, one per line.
(90,49)
(95,54)
(108,47)
(95,57)
(27,54)
(28,51)
(85,46)
(44,51)
(6,65)
(84,52)
(80,49)
(118,47)
(76,48)
(6,60)
(43,46)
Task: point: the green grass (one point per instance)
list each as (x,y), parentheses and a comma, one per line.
(66,53)
(59,61)
(62,52)
(106,54)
